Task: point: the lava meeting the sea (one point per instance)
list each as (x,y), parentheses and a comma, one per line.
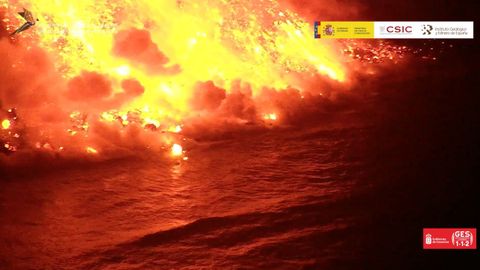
(110,64)
(236,134)
(99,76)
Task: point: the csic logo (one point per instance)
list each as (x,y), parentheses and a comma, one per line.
(427,29)
(397,29)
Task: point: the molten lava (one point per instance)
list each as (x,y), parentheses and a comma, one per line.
(221,41)
(177,150)
(270,116)
(153,65)
(6,124)
(91,150)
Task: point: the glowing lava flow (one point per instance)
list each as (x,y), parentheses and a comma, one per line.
(91,150)
(270,116)
(143,59)
(6,124)
(254,41)
(177,150)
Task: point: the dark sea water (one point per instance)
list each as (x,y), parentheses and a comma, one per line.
(350,192)
(274,197)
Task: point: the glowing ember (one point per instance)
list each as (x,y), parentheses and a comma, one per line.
(177,150)
(270,116)
(175,129)
(79,123)
(91,150)
(10,147)
(6,124)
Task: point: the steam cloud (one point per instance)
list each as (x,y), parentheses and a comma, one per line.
(137,46)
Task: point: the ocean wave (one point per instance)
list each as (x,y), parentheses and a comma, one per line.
(233,239)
